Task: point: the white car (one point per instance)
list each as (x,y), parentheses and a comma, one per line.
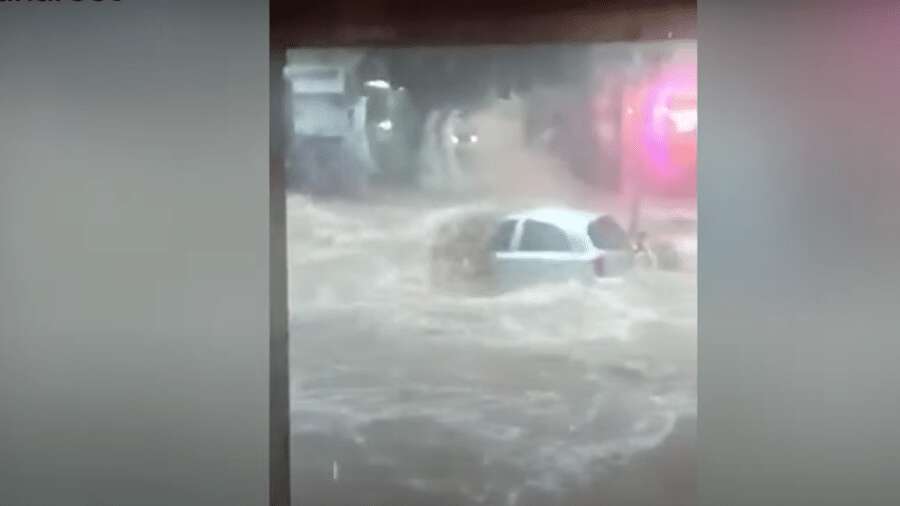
(558,244)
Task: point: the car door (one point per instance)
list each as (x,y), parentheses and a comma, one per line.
(538,252)
(503,243)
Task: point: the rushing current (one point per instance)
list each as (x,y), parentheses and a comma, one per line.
(402,393)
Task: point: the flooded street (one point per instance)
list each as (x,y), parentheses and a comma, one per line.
(404,394)
(406,390)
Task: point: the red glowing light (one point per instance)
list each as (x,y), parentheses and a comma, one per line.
(659,128)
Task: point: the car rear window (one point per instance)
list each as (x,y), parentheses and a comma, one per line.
(539,236)
(606,234)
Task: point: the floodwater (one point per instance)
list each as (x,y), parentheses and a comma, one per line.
(402,394)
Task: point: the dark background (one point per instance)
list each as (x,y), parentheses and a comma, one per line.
(134,250)
(411,22)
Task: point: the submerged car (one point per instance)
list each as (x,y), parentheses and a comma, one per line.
(559,244)
(543,245)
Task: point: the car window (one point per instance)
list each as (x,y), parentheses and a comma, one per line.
(502,238)
(606,234)
(539,236)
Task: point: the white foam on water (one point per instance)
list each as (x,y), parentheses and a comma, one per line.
(552,380)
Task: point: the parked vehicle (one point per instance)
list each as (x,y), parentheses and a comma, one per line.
(328,146)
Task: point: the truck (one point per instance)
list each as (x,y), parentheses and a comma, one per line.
(328,149)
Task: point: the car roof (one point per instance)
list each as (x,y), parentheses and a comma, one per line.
(570,220)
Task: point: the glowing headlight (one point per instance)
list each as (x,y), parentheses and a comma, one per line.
(380,84)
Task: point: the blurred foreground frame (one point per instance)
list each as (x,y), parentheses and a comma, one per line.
(386,23)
